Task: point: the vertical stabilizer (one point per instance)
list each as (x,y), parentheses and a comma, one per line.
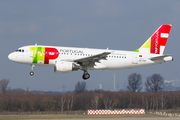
(157,42)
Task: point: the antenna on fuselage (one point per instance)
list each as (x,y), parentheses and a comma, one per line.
(36,44)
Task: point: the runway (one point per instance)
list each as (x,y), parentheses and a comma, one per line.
(149,118)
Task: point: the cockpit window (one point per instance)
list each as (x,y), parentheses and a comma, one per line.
(20,50)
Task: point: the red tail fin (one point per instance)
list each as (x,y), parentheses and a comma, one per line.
(159,39)
(157,42)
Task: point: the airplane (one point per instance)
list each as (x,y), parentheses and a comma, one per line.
(67,59)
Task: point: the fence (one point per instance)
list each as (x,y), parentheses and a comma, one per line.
(43,113)
(175,113)
(116,111)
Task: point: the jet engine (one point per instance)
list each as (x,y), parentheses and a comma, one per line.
(65,67)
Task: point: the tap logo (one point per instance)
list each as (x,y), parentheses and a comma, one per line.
(42,55)
(155,43)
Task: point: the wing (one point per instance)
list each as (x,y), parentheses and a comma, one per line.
(92,59)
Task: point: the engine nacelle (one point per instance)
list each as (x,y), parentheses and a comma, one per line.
(63,67)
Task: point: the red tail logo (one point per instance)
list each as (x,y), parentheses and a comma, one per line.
(159,38)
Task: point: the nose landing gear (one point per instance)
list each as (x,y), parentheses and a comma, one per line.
(32,68)
(31,73)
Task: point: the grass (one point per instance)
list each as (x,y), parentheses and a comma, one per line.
(12,117)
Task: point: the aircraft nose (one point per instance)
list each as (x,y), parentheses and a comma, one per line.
(11,57)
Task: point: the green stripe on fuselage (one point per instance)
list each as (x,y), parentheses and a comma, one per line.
(41,54)
(35,57)
(38,54)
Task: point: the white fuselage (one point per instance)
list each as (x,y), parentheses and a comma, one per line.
(116,60)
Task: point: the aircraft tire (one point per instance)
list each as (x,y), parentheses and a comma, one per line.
(86,76)
(31,73)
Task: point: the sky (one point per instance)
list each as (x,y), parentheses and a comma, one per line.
(113,24)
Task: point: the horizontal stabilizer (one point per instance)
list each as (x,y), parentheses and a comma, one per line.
(162,57)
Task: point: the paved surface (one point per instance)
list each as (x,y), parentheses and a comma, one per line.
(149,118)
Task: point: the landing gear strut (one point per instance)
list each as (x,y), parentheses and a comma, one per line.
(86,75)
(32,68)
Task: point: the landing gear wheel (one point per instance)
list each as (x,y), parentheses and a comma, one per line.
(86,76)
(32,68)
(31,73)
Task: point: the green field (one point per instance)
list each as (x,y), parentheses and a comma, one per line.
(10,117)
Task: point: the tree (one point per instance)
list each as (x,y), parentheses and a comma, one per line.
(33,103)
(154,83)
(3,85)
(80,87)
(62,103)
(163,101)
(134,82)
(107,100)
(70,102)
(95,102)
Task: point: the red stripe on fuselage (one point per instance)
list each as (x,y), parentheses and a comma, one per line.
(50,54)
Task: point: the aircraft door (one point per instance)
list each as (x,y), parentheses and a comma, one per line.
(135,58)
(32,52)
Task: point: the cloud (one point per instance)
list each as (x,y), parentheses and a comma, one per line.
(175,82)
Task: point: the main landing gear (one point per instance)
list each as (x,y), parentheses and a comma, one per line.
(32,68)
(86,75)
